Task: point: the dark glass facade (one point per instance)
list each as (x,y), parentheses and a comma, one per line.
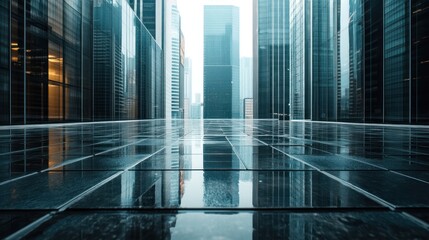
(271,91)
(70,61)
(419,61)
(349,60)
(126,61)
(45,51)
(357,60)
(221,62)
(5,63)
(323,86)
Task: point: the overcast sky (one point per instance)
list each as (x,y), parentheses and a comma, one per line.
(191,12)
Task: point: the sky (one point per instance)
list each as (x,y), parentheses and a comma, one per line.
(192,16)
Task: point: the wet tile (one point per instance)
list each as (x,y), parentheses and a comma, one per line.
(11,222)
(333,162)
(190,162)
(224,189)
(274,161)
(300,150)
(229,225)
(392,163)
(393,188)
(48,190)
(105,162)
(421,175)
(218,164)
(421,215)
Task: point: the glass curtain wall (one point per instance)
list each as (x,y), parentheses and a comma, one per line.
(45,60)
(5,51)
(323,104)
(419,61)
(150,84)
(349,60)
(273,59)
(396,60)
(127,65)
(221,62)
(297,59)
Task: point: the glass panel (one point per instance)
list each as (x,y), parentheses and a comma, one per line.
(55,93)
(4,63)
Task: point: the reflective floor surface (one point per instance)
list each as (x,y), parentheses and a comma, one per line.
(214,179)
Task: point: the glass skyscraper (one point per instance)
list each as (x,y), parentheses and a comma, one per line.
(221,62)
(171,47)
(46,68)
(125,72)
(356,60)
(64,61)
(271,74)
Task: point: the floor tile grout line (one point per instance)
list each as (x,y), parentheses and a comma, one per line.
(66,163)
(236,209)
(71,162)
(347,184)
(236,154)
(21,233)
(18,178)
(416,220)
(361,191)
(59,125)
(362,124)
(32,226)
(407,176)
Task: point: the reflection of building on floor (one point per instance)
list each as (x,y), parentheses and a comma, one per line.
(221,187)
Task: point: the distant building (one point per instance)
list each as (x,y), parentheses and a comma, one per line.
(182,77)
(248,108)
(188,88)
(246,81)
(171,58)
(221,62)
(196,110)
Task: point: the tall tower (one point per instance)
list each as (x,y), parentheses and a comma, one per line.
(271,59)
(171,58)
(221,62)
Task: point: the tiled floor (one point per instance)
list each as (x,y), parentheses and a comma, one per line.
(217,179)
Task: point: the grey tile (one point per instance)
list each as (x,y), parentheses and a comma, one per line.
(224,189)
(48,190)
(393,188)
(230,225)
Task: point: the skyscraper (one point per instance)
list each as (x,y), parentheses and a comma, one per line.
(313,86)
(271,57)
(171,58)
(182,76)
(359,60)
(46,61)
(188,87)
(66,61)
(221,62)
(420,60)
(246,82)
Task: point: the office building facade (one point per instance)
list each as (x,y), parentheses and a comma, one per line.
(246,81)
(171,47)
(271,58)
(187,88)
(126,73)
(182,76)
(357,61)
(46,69)
(71,61)
(221,62)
